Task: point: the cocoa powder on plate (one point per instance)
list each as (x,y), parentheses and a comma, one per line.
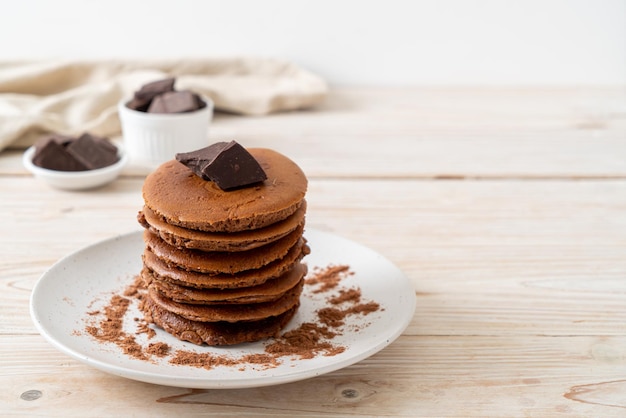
(328,278)
(307,341)
(111,328)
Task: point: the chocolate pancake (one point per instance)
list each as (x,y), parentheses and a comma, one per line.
(218,261)
(184,199)
(223,250)
(220,241)
(157,269)
(227,312)
(269,291)
(216,333)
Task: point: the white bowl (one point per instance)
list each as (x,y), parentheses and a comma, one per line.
(153,138)
(75,180)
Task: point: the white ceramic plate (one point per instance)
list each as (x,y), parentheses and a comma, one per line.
(85,281)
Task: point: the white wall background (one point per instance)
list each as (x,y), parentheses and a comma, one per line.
(389,42)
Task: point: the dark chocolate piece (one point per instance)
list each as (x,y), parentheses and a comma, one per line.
(54,156)
(138,104)
(63,153)
(199,102)
(228,164)
(143,97)
(151,90)
(63,140)
(161,97)
(93,152)
(157,106)
(174,102)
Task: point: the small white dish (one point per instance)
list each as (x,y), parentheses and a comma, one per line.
(151,139)
(84,281)
(75,180)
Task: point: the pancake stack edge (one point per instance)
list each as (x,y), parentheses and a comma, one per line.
(223,268)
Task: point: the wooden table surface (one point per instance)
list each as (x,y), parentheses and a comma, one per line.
(505,207)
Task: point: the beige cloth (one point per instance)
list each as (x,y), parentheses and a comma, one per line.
(75,97)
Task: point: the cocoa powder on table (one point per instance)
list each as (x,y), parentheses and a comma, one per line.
(307,341)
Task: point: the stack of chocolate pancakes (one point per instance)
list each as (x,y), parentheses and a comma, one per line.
(223,267)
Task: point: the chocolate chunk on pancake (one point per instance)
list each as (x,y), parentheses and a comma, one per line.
(182,198)
(228,312)
(221,262)
(220,241)
(227,164)
(269,291)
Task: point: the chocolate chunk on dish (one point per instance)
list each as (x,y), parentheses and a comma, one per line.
(64,153)
(175,102)
(54,156)
(150,90)
(162,97)
(92,151)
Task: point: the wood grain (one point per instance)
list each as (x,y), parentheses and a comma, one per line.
(415,376)
(504,207)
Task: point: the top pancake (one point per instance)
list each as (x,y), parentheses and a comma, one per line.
(182,198)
